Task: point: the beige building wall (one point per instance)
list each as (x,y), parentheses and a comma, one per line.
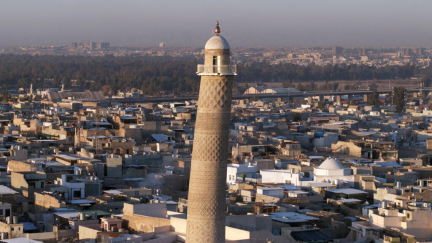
(19,184)
(346,148)
(134,215)
(87,233)
(45,201)
(18,166)
(13,230)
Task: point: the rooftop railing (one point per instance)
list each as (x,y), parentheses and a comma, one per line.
(217,69)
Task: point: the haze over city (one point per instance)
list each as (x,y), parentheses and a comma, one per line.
(237,121)
(252,23)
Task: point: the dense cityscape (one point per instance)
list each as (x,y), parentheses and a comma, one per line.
(168,144)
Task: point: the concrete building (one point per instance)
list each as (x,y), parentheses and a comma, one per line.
(286,177)
(114,166)
(331,170)
(336,50)
(414,222)
(240,172)
(207,204)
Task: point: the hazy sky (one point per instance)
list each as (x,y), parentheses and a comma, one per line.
(245,23)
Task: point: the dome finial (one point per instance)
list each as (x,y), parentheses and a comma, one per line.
(217,30)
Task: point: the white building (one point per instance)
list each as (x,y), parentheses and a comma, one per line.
(236,171)
(417,222)
(331,170)
(285,177)
(278,192)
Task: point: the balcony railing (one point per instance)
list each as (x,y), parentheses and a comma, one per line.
(217,69)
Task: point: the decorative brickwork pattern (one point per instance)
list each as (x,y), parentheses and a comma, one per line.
(207,186)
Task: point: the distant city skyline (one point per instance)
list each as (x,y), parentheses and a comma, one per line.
(188,23)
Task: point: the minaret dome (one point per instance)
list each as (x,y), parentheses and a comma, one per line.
(217,41)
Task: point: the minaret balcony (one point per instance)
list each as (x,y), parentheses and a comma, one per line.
(217,70)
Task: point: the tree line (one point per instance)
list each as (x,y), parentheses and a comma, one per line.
(176,75)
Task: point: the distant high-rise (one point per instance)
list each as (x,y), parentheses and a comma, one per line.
(161,44)
(98,45)
(418,51)
(406,51)
(207,186)
(102,45)
(362,51)
(336,50)
(92,45)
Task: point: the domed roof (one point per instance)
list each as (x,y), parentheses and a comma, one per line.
(331,164)
(217,42)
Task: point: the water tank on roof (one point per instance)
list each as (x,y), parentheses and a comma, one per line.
(15,219)
(94,215)
(82,216)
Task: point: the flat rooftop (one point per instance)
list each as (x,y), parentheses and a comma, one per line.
(291,217)
(347,191)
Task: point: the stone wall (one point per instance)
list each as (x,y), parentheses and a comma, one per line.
(87,232)
(266,199)
(45,201)
(13,230)
(346,148)
(134,216)
(45,236)
(19,184)
(139,223)
(114,166)
(151,209)
(17,166)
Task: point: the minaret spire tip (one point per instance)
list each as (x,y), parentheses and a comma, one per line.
(217,30)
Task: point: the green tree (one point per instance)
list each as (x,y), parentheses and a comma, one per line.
(287,84)
(398,98)
(374,99)
(335,86)
(5,96)
(296,117)
(67,83)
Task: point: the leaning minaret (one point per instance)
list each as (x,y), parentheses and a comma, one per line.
(207,186)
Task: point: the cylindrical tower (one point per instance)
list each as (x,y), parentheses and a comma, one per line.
(207,186)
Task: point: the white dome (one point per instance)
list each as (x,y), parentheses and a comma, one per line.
(331,164)
(217,42)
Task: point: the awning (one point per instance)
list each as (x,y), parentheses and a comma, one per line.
(310,236)
(47,135)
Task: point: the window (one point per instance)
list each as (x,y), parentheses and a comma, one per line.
(216,64)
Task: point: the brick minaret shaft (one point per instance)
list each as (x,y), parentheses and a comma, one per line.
(207,186)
